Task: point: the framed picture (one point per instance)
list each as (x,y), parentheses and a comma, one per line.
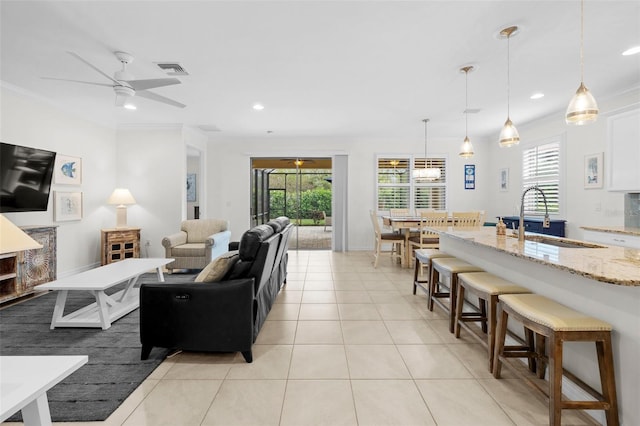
(593,176)
(67,170)
(504,180)
(67,206)
(191,187)
(469,176)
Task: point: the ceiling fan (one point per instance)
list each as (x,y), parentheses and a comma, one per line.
(124,85)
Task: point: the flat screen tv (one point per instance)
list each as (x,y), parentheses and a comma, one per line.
(25,178)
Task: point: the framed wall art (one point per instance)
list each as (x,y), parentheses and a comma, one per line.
(67,170)
(593,176)
(469,176)
(191,187)
(504,180)
(67,206)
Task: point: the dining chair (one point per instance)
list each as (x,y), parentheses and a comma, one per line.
(395,239)
(466,218)
(398,212)
(427,238)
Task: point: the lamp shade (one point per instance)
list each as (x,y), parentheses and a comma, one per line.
(583,107)
(121,197)
(509,135)
(14,239)
(466,150)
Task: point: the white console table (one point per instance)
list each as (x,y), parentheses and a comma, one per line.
(106,308)
(25,380)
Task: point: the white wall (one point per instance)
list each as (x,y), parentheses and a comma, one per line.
(580,206)
(30,122)
(229,176)
(152,164)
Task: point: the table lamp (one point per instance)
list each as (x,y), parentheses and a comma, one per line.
(14,239)
(121,197)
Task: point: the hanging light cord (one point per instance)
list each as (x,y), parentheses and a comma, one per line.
(466,104)
(426,120)
(582,41)
(508,77)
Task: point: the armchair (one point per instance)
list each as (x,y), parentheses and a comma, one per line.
(197,243)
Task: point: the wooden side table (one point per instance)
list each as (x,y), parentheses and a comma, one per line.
(119,244)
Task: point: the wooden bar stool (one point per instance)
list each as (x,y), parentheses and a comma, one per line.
(486,287)
(423,258)
(558,324)
(447,268)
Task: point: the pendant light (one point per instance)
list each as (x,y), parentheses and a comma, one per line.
(509,134)
(426,173)
(583,107)
(466,150)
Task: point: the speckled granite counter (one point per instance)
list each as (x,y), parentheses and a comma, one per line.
(609,264)
(626,230)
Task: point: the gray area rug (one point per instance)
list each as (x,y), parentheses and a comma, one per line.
(114,369)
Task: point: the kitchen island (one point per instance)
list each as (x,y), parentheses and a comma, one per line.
(599,280)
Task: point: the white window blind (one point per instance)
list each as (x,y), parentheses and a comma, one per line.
(396,188)
(541,167)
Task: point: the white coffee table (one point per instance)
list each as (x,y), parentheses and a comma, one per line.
(25,380)
(106,308)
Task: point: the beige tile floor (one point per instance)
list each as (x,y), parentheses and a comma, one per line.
(344,345)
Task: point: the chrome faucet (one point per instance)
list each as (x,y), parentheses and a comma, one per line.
(546,223)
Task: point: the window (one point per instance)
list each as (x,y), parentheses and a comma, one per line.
(397,189)
(541,167)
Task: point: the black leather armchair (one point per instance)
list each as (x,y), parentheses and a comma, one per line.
(224,316)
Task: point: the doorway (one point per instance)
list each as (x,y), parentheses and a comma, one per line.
(299,188)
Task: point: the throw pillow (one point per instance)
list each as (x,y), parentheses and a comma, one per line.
(218,268)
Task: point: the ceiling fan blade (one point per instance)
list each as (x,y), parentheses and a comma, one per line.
(78,81)
(80,58)
(159,98)
(152,83)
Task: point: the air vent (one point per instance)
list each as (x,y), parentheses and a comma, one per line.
(209,128)
(172,68)
(471,111)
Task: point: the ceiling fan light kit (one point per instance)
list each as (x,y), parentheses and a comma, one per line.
(125,86)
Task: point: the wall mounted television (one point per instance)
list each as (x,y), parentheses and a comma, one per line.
(25,178)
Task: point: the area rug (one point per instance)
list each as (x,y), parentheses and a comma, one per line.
(114,369)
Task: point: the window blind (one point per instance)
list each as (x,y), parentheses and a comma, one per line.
(541,167)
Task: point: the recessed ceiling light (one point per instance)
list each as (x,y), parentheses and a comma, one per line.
(631,51)
(130,106)
(537,96)
(258,107)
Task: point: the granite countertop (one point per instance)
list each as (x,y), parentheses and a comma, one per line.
(627,230)
(608,264)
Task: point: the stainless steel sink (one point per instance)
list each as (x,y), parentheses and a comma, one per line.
(560,242)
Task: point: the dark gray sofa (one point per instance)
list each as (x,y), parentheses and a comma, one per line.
(223,316)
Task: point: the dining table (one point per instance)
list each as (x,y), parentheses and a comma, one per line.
(408,224)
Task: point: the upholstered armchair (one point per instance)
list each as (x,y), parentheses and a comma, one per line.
(197,244)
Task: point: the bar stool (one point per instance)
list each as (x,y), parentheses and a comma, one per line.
(423,257)
(559,324)
(447,268)
(486,287)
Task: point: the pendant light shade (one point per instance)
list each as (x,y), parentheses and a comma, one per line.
(466,150)
(582,108)
(509,135)
(426,173)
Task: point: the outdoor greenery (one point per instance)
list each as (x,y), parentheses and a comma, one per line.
(315,195)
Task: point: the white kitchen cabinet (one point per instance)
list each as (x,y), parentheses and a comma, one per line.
(612,238)
(623,153)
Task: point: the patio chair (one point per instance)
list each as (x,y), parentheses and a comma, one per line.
(327,220)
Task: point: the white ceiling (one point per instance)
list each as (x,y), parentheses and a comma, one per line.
(357,70)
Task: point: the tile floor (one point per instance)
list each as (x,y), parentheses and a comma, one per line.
(344,345)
